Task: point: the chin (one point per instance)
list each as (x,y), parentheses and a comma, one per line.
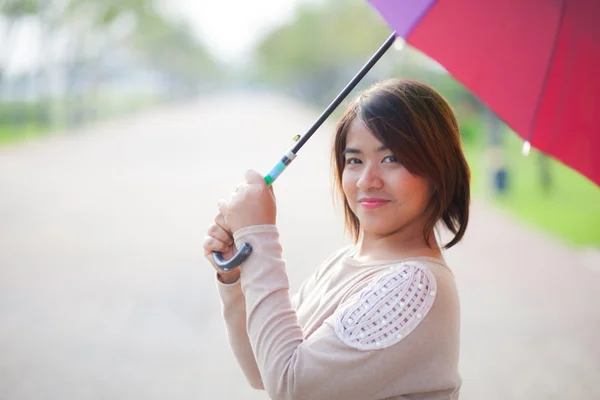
(380,228)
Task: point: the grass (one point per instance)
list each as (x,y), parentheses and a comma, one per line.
(101,107)
(569,210)
(10,134)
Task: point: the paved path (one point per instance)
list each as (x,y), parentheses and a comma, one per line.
(104,293)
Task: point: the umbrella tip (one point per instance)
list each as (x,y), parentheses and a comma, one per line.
(399,44)
(526,148)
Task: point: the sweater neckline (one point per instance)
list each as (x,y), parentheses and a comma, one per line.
(350,261)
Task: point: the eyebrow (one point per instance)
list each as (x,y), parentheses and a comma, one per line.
(357,151)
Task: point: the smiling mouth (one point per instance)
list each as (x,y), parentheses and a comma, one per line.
(373,203)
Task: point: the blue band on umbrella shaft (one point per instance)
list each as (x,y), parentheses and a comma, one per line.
(275,172)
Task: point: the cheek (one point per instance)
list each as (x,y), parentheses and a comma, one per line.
(417,190)
(348,185)
(405,186)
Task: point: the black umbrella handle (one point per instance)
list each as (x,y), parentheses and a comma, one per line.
(289,156)
(239,257)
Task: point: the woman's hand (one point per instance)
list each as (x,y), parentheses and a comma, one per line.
(252,204)
(219,238)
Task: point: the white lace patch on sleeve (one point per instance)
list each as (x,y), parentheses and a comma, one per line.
(389,309)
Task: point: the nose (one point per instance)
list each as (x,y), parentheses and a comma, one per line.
(370,178)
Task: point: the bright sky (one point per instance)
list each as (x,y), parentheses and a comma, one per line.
(231,28)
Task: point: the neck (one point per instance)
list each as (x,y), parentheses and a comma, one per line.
(397,245)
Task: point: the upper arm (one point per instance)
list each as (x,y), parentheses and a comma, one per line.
(388,310)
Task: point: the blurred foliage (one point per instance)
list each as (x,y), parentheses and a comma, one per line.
(18,8)
(321,48)
(569,208)
(21,113)
(157,40)
(320,38)
(316,54)
(174,52)
(103,13)
(108,47)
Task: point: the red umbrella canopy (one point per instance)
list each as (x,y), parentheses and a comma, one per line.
(536,63)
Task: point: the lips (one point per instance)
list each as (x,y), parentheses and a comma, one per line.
(372,202)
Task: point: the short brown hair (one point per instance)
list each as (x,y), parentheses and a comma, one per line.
(418,125)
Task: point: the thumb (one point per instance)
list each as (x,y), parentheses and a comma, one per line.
(253,177)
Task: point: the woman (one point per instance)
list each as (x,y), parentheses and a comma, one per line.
(380,319)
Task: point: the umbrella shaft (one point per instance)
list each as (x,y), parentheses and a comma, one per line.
(289,156)
(344,93)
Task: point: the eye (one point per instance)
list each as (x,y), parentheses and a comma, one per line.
(353,160)
(390,159)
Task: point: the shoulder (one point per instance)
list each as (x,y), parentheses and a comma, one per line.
(389,308)
(338,254)
(333,259)
(326,265)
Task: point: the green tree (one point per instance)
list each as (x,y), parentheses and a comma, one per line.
(321,48)
(170,47)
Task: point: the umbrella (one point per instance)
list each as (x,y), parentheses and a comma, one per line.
(535,63)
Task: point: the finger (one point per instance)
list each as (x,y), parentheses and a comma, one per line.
(222,206)
(211,245)
(220,220)
(219,233)
(253,177)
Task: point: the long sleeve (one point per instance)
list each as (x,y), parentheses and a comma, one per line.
(328,365)
(234,313)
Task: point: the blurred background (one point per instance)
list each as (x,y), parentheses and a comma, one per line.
(123,122)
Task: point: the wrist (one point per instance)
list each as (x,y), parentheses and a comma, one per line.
(239,234)
(229,277)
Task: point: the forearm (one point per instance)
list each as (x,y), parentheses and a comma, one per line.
(272,324)
(234,314)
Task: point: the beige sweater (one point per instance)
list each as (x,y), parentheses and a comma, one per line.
(355,330)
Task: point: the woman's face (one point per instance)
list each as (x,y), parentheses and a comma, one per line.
(382,193)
